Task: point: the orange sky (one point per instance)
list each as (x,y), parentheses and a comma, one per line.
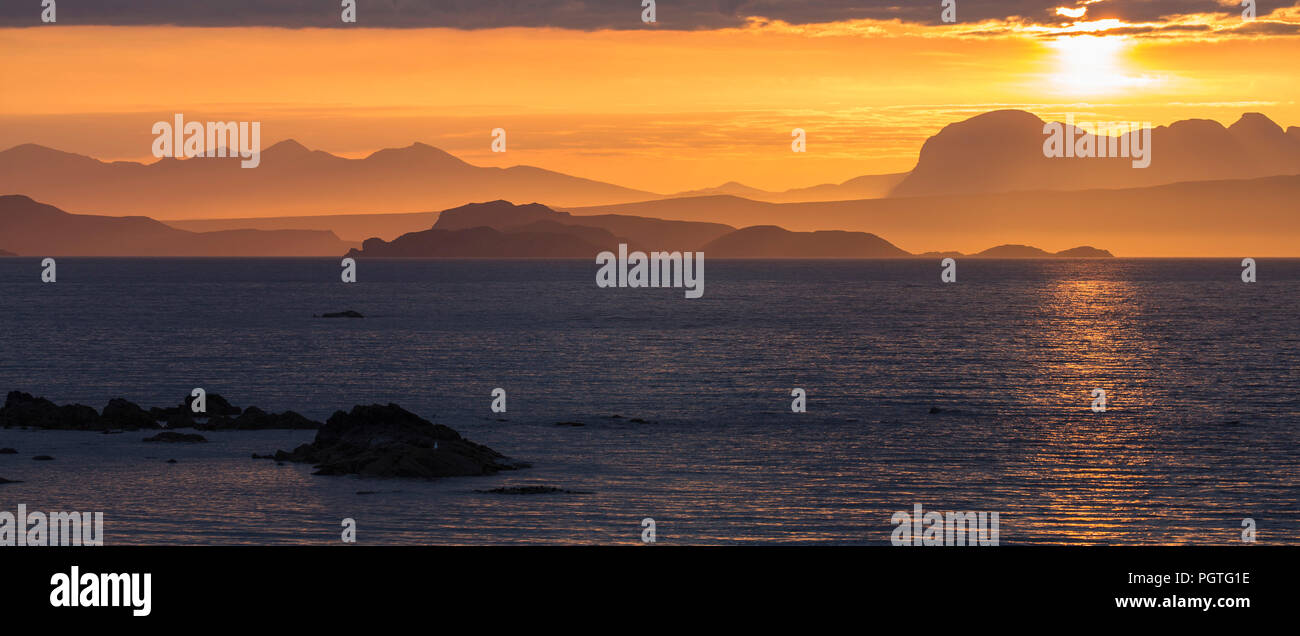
(658,110)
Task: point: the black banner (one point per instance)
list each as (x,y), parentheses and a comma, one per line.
(557,585)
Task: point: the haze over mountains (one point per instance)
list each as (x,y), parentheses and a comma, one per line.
(999,151)
(1210,190)
(291,180)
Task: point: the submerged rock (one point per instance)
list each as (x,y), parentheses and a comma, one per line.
(43,458)
(172,436)
(8,451)
(389,441)
(342,314)
(10,481)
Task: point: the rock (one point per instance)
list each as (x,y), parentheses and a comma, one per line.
(389,441)
(255,419)
(10,481)
(128,416)
(8,451)
(22,409)
(531,490)
(43,458)
(172,436)
(342,314)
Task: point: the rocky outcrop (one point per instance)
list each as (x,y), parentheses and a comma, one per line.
(389,441)
(24,410)
(174,437)
(126,415)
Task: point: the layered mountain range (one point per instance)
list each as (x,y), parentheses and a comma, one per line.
(1210,190)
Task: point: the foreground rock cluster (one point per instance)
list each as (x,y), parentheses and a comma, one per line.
(26,411)
(373,441)
(389,441)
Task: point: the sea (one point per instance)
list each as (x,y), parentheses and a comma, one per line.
(975,395)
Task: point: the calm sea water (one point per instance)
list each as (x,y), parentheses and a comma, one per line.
(1199,370)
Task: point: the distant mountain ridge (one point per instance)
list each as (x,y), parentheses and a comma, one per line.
(1237,217)
(1002,151)
(1027,251)
(770,241)
(500,229)
(872,186)
(290,180)
(998,151)
(31,228)
(651,233)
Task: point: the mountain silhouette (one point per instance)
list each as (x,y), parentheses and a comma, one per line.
(1026,251)
(999,151)
(31,228)
(649,233)
(1002,151)
(865,187)
(1238,217)
(770,241)
(485,242)
(290,180)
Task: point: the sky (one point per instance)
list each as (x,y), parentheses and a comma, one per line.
(709,93)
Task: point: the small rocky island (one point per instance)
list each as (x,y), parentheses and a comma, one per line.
(389,441)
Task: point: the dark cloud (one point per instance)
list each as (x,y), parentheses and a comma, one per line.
(582,14)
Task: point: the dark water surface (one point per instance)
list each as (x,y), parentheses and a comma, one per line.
(1200,372)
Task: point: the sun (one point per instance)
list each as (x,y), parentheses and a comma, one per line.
(1093,65)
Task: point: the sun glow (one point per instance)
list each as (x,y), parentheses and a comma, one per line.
(1092,65)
